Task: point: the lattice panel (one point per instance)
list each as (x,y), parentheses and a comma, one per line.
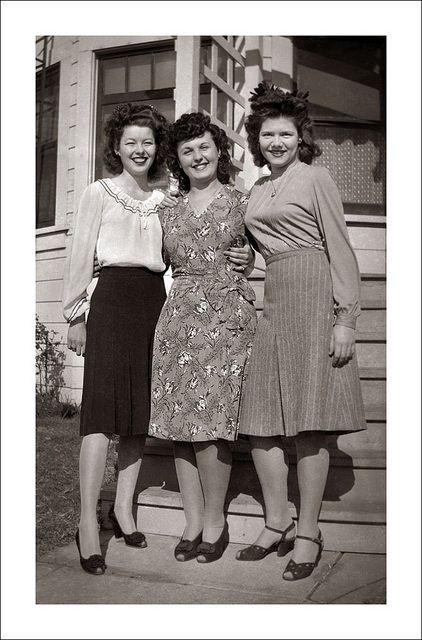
(355,158)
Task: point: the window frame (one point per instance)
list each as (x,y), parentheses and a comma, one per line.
(343,121)
(52,77)
(132,96)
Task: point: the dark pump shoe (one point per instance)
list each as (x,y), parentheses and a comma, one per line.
(187,549)
(94,564)
(135,539)
(212,551)
(300,570)
(256,552)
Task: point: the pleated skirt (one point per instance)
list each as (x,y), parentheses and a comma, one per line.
(124,310)
(291,385)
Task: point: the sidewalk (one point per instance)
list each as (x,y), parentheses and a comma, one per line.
(153,576)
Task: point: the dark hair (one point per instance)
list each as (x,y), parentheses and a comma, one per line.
(269,101)
(194,125)
(143,115)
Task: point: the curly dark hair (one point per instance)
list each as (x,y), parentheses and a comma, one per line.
(269,101)
(143,115)
(194,125)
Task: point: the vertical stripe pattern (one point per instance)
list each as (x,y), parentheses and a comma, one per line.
(291,384)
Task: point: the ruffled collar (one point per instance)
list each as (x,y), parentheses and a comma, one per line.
(143,208)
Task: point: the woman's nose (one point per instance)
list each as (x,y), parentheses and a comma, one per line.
(197,155)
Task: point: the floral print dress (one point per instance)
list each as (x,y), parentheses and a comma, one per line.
(204,335)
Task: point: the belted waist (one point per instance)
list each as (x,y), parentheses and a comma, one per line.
(293,252)
(221,292)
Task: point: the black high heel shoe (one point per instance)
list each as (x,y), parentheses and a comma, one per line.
(135,539)
(300,570)
(94,564)
(187,549)
(212,551)
(256,552)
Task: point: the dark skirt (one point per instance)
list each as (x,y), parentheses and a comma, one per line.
(292,385)
(125,307)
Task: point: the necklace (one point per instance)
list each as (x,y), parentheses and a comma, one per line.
(282,179)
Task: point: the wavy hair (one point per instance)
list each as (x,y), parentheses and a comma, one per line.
(269,101)
(143,115)
(194,125)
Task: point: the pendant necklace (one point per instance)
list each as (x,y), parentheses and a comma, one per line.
(282,179)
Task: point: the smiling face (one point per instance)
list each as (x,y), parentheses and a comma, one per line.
(278,142)
(137,149)
(199,158)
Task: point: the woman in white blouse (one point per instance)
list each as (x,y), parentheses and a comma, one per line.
(117,220)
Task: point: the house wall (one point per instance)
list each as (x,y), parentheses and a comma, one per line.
(267,57)
(75,170)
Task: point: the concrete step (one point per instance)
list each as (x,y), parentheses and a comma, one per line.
(353,511)
(345,527)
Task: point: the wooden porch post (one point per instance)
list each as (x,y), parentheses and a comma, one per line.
(253,75)
(186,92)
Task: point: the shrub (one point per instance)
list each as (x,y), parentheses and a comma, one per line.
(49,365)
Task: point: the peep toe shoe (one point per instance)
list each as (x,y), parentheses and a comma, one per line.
(135,539)
(212,551)
(256,552)
(94,564)
(187,549)
(300,570)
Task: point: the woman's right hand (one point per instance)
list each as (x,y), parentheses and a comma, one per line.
(76,336)
(170,200)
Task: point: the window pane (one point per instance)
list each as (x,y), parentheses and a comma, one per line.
(50,114)
(46,192)
(47,113)
(164,69)
(140,73)
(114,76)
(355,158)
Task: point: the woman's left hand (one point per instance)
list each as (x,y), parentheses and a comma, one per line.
(242,257)
(342,345)
(169,201)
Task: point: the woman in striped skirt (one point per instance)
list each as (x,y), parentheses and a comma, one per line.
(303,379)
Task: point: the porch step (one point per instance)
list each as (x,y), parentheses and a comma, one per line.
(353,511)
(345,527)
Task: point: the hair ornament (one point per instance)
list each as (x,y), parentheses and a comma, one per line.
(267,93)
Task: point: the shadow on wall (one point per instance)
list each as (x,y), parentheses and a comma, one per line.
(158,470)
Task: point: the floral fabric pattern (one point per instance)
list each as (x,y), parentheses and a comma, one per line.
(205,331)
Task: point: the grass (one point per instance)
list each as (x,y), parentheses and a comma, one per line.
(57,480)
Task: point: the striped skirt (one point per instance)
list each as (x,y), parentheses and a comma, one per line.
(291,384)
(125,307)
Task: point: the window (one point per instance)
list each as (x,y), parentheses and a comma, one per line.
(47,116)
(345,77)
(138,75)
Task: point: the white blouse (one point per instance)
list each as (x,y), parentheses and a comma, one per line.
(122,231)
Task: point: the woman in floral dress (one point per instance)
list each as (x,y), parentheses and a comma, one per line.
(205,331)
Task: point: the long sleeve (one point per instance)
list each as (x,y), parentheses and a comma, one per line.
(80,260)
(343,264)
